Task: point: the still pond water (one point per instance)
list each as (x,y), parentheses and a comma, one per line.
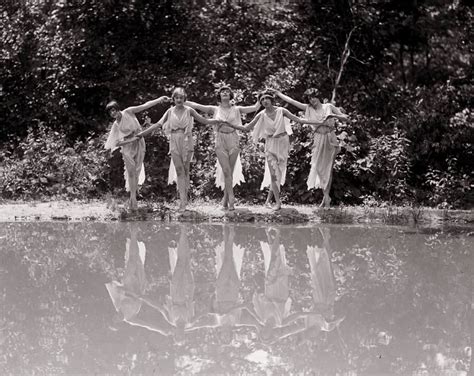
(148,298)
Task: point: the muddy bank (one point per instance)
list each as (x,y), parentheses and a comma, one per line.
(212,212)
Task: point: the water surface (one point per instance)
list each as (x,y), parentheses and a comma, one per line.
(152,298)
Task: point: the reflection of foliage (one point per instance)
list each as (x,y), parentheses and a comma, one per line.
(405,295)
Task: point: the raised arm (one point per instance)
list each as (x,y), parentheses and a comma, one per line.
(159,123)
(290,100)
(249,126)
(289,115)
(249,109)
(201,107)
(338,114)
(147,105)
(202,119)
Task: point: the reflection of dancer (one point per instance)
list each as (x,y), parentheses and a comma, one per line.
(124,294)
(321,316)
(229,311)
(322,277)
(273,306)
(128,297)
(179,305)
(229,265)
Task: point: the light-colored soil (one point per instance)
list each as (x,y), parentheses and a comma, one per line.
(212,212)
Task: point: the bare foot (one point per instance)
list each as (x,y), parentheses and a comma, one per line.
(133,205)
(268,204)
(225,202)
(231,204)
(326,202)
(276,207)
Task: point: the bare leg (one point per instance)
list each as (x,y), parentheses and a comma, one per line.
(182,181)
(275,187)
(327,199)
(187,167)
(268,201)
(227,164)
(133,184)
(225,200)
(132,176)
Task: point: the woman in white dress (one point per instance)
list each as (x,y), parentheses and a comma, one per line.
(122,133)
(178,122)
(229,167)
(270,125)
(325,144)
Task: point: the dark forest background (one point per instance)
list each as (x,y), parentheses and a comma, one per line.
(406,84)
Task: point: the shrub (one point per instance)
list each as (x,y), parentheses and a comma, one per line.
(44,164)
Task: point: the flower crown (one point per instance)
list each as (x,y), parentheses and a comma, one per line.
(311,92)
(265,93)
(218,87)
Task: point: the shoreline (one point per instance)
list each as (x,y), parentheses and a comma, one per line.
(104,211)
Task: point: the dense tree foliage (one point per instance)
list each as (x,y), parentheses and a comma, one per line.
(407,85)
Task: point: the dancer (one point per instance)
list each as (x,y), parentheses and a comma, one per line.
(178,124)
(271,125)
(229,167)
(325,144)
(121,135)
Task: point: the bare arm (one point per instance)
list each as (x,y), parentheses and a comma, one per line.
(147,105)
(290,100)
(289,115)
(200,107)
(248,109)
(338,114)
(159,123)
(249,126)
(202,119)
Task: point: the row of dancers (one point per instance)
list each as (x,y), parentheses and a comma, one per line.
(270,314)
(272,125)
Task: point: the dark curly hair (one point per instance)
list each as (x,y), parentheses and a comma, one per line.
(112,104)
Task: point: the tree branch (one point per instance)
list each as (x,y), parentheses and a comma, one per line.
(344,57)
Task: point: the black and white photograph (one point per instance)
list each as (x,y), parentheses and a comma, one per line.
(237,187)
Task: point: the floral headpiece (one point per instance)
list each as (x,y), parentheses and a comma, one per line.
(265,94)
(311,92)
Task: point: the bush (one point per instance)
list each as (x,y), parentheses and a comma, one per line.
(43,164)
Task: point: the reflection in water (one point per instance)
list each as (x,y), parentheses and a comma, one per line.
(273,306)
(228,310)
(127,295)
(217,299)
(179,306)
